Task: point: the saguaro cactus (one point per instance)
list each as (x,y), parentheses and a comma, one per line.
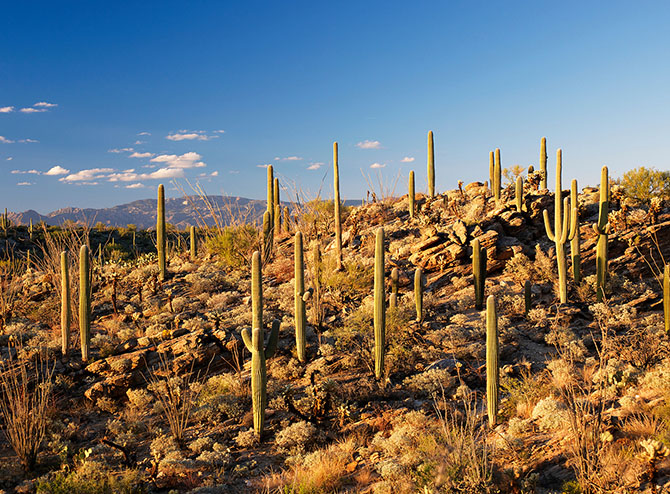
(194,244)
(380,305)
(479,272)
(317,266)
(161,244)
(497,175)
(287,220)
(418,294)
(518,196)
(393,298)
(492,170)
(277,207)
(564,229)
(543,163)
(412,203)
(30,229)
(431,165)
(602,229)
(492,370)
(336,198)
(84,302)
(299,294)
(666,297)
(256,346)
(270,190)
(526,297)
(65,301)
(267,237)
(575,242)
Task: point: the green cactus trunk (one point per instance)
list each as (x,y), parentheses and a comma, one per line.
(412,203)
(497,176)
(418,294)
(299,293)
(602,229)
(316,283)
(666,297)
(393,298)
(492,369)
(65,309)
(194,244)
(270,190)
(84,302)
(161,244)
(431,165)
(492,170)
(543,163)
(479,273)
(575,242)
(277,208)
(519,194)
(337,212)
(287,220)
(267,237)
(380,305)
(30,229)
(526,297)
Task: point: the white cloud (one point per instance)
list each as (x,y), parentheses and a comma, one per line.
(144,133)
(87,175)
(26,172)
(377,165)
(28,140)
(289,158)
(219,131)
(214,174)
(234,172)
(57,170)
(33,110)
(185,135)
(407,159)
(10,158)
(135,186)
(139,143)
(25,183)
(141,155)
(44,104)
(6,109)
(161,173)
(4,140)
(263,166)
(122,150)
(315,166)
(186,160)
(369,145)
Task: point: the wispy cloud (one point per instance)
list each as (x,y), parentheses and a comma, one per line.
(219,131)
(29,141)
(288,158)
(141,155)
(377,165)
(4,140)
(139,143)
(57,170)
(407,159)
(32,110)
(369,144)
(135,186)
(189,135)
(26,172)
(6,109)
(315,166)
(44,104)
(10,158)
(144,133)
(234,172)
(122,150)
(186,160)
(25,184)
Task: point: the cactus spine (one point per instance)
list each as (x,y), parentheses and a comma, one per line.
(336,198)
(519,193)
(431,165)
(194,244)
(526,297)
(412,204)
(65,309)
(393,298)
(564,229)
(497,175)
(380,305)
(543,163)
(492,370)
(256,346)
(666,297)
(300,314)
(575,242)
(492,170)
(160,235)
(602,229)
(277,207)
(479,273)
(418,294)
(84,302)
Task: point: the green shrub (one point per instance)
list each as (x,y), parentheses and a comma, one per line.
(234,245)
(91,483)
(643,184)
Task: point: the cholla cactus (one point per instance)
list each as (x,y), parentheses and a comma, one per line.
(492,370)
(380,305)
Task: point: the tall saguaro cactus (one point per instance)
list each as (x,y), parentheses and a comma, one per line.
(255,343)
(492,170)
(518,194)
(602,229)
(497,175)
(543,163)
(418,294)
(336,198)
(575,247)
(194,244)
(666,297)
(161,244)
(431,165)
(65,307)
(479,272)
(277,207)
(299,294)
(412,203)
(565,225)
(84,302)
(492,369)
(380,305)
(267,237)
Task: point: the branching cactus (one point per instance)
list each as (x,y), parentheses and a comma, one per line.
(565,226)
(393,298)
(337,212)
(299,298)
(412,203)
(479,272)
(666,297)
(431,165)
(161,244)
(418,294)
(575,247)
(65,307)
(602,228)
(492,369)
(254,342)
(380,305)
(194,244)
(84,302)
(497,176)
(543,163)
(526,297)
(518,189)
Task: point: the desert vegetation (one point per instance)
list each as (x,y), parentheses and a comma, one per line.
(494,338)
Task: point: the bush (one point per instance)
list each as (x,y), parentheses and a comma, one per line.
(234,245)
(643,184)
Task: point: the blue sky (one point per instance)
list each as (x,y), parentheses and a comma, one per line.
(212,91)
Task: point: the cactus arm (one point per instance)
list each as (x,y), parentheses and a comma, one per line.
(574,224)
(246,338)
(271,347)
(565,226)
(547,226)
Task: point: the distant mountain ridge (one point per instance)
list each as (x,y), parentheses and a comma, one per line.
(179,211)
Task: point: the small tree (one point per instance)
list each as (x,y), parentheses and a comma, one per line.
(643,184)
(510,174)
